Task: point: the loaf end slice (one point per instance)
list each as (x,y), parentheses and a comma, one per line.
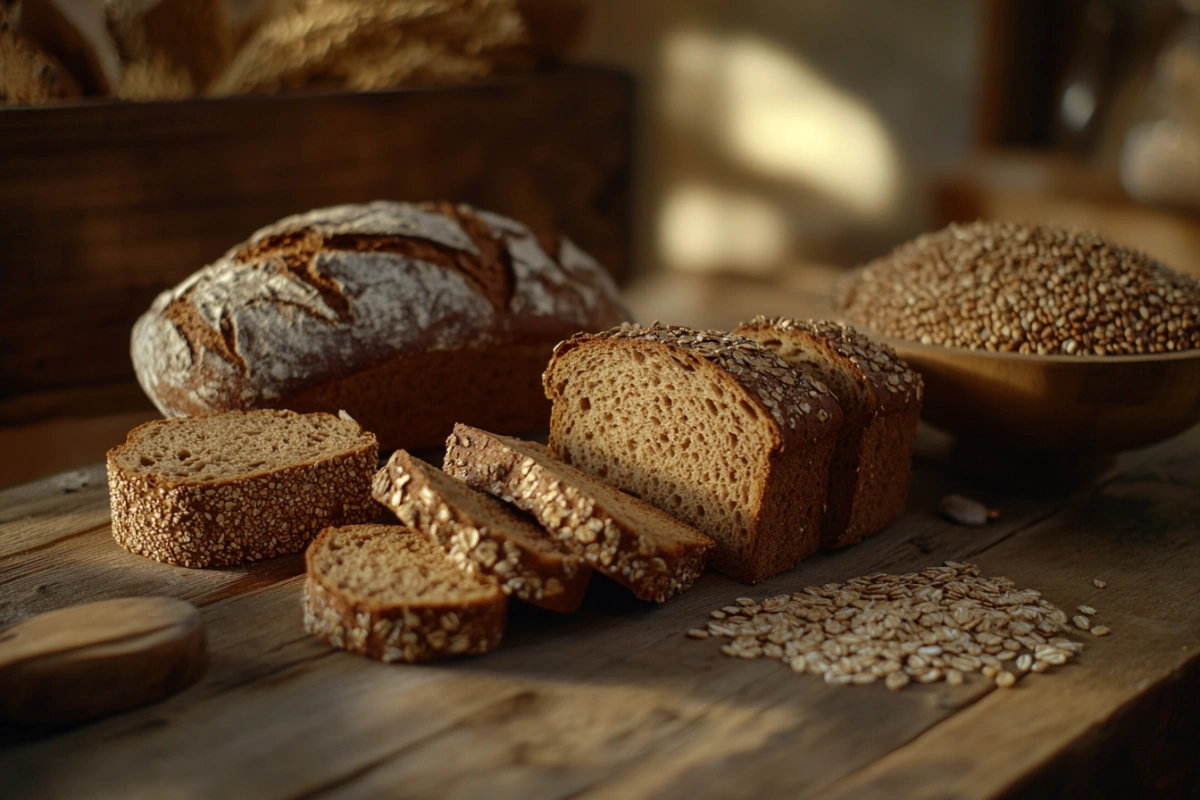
(390,593)
(482,535)
(242,486)
(880,396)
(650,552)
(710,427)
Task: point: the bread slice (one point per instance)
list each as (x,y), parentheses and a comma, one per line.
(390,593)
(650,552)
(881,399)
(242,486)
(711,427)
(482,535)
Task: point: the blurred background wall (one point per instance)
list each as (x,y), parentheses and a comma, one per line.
(777,133)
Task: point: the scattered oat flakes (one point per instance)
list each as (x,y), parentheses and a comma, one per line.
(698,633)
(1005,679)
(1099,584)
(1100,630)
(1087,610)
(939,624)
(1081,622)
(966,511)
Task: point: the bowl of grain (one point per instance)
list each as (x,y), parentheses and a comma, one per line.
(1038,342)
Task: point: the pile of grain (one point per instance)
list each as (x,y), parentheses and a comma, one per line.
(1023,288)
(936,625)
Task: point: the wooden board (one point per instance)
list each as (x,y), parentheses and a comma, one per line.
(615,702)
(103,205)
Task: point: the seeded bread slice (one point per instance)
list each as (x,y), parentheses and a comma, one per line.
(710,427)
(648,551)
(242,486)
(389,593)
(482,535)
(881,399)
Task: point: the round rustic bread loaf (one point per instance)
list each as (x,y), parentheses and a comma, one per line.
(410,317)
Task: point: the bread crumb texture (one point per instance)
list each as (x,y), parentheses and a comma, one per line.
(641,547)
(390,593)
(710,427)
(243,486)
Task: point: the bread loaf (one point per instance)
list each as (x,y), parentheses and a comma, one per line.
(225,489)
(409,317)
(482,535)
(390,593)
(651,553)
(710,427)
(881,402)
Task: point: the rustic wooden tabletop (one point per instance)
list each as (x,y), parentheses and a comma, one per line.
(615,701)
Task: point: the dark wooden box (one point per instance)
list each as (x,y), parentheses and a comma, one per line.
(103,205)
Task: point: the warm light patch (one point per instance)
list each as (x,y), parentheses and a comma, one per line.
(772,113)
(702,228)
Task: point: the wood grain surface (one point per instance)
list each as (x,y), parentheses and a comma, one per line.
(615,702)
(87,661)
(103,205)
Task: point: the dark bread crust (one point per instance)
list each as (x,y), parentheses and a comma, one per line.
(407,632)
(310,312)
(417,399)
(872,463)
(652,564)
(552,576)
(801,418)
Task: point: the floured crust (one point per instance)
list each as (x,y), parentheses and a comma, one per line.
(399,631)
(318,297)
(523,559)
(569,504)
(223,522)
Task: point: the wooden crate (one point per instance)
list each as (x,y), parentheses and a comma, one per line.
(103,205)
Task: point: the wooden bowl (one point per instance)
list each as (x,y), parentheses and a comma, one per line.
(1053,419)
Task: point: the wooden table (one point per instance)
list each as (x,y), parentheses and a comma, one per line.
(615,702)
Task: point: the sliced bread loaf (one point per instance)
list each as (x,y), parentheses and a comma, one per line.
(646,550)
(711,427)
(881,399)
(229,488)
(482,535)
(388,592)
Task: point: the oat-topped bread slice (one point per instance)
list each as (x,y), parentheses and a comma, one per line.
(229,488)
(711,427)
(411,317)
(482,535)
(390,593)
(632,542)
(880,397)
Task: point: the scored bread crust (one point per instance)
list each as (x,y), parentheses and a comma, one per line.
(872,463)
(409,632)
(319,307)
(782,513)
(224,522)
(552,580)
(586,516)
